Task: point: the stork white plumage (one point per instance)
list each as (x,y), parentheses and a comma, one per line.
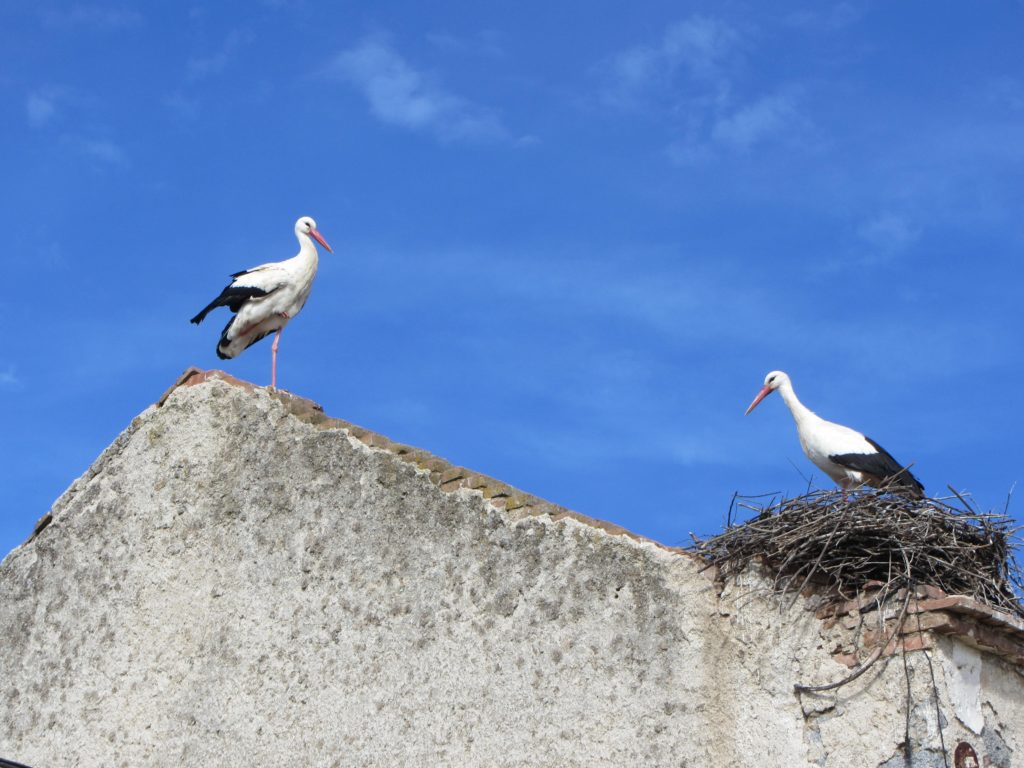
(266,297)
(848,457)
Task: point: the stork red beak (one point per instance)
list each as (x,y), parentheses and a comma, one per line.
(320,239)
(765,391)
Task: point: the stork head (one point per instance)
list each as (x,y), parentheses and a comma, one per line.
(772,381)
(306,226)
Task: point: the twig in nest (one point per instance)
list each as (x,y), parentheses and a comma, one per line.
(841,544)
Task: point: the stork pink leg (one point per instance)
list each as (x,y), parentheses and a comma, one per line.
(273,359)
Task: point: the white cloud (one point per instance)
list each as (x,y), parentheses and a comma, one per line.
(699,47)
(485,43)
(1005,92)
(829,18)
(85,15)
(772,118)
(401,95)
(889,234)
(766,117)
(689,152)
(9,379)
(50,256)
(100,149)
(214,64)
(40,109)
(690,76)
(647,441)
(701,44)
(181,105)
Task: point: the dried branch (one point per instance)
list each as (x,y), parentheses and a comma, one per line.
(843,544)
(868,662)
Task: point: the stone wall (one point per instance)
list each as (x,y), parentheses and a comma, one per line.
(241,580)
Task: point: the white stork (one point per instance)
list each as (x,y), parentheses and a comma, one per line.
(266,297)
(845,455)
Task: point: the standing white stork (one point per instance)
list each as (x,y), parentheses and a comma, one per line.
(844,454)
(266,297)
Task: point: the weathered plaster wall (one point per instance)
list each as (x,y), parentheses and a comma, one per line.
(232,585)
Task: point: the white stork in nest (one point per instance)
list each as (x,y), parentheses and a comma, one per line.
(266,297)
(848,457)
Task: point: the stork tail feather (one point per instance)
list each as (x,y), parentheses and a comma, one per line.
(224,346)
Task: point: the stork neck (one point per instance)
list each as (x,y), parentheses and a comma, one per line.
(307,249)
(801,413)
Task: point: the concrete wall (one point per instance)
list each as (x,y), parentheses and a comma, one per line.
(236,583)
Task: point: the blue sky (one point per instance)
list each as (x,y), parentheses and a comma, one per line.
(570,239)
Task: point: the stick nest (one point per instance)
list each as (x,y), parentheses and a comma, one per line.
(844,545)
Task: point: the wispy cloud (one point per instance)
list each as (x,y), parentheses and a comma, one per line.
(181,105)
(205,66)
(775,118)
(888,234)
(485,43)
(828,17)
(703,309)
(690,77)
(87,15)
(48,106)
(102,150)
(9,379)
(40,108)
(401,95)
(50,256)
(755,122)
(647,441)
(1006,92)
(698,48)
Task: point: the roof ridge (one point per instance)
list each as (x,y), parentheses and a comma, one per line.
(444,474)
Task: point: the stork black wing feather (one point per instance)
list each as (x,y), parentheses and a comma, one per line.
(232,297)
(881,465)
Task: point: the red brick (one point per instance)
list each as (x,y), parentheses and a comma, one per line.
(374,440)
(846,659)
(452,473)
(918,641)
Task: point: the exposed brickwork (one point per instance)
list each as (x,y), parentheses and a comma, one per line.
(855,628)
